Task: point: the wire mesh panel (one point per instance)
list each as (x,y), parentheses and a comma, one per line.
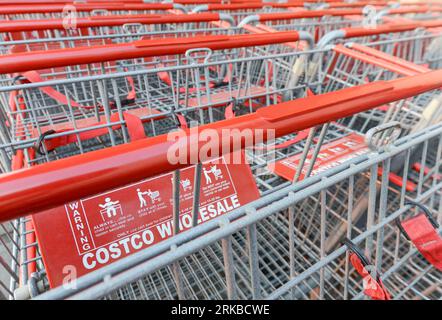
(241,10)
(296,248)
(47,34)
(355,64)
(356,161)
(86,106)
(25,156)
(411,41)
(338,207)
(56,101)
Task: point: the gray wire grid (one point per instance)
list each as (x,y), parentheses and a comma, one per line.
(223,269)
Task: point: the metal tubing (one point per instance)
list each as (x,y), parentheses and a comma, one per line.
(20,62)
(52,184)
(108,21)
(301,189)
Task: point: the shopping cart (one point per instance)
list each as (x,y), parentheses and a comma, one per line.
(351,64)
(409,41)
(241,10)
(45,34)
(36,118)
(59,10)
(298,11)
(321,22)
(252,84)
(52,33)
(83,92)
(280,250)
(266,272)
(263,183)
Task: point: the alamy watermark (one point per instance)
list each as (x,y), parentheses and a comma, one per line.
(370,17)
(69,16)
(190,146)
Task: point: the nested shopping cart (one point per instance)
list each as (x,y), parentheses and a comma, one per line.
(241,10)
(181,92)
(321,22)
(60,10)
(296,10)
(28,35)
(264,252)
(412,41)
(40,121)
(23,96)
(45,34)
(195,79)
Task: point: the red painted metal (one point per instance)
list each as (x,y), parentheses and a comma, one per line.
(82,7)
(333,12)
(251,5)
(378,58)
(45,186)
(101,21)
(390,28)
(412,67)
(19,62)
(307,14)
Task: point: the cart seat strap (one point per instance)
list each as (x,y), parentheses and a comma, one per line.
(17,160)
(34,77)
(421,231)
(229,113)
(165,78)
(182,121)
(372,283)
(133,123)
(374,288)
(221,98)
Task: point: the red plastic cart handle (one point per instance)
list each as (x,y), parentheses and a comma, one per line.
(307,14)
(45,186)
(194,2)
(390,28)
(108,21)
(84,7)
(21,2)
(359,4)
(233,6)
(19,62)
(251,5)
(302,14)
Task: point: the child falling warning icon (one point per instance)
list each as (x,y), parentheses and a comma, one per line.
(110,208)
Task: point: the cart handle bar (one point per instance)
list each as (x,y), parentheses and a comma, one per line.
(35,60)
(111,20)
(346,33)
(245,6)
(334,12)
(41,187)
(87,7)
(195,2)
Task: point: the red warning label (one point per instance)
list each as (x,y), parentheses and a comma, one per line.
(87,234)
(331,155)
